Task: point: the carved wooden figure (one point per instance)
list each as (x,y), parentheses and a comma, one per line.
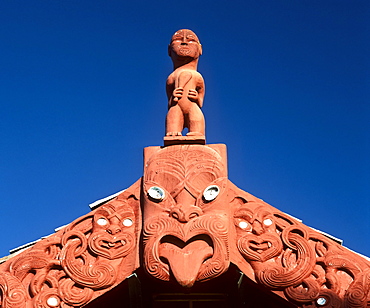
(185,86)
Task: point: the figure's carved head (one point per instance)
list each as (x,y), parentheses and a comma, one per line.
(185,215)
(184,45)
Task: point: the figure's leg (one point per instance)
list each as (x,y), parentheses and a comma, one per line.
(174,121)
(196,121)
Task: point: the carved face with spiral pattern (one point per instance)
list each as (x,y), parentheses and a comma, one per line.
(185,220)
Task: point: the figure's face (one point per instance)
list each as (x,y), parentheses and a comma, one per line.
(185,44)
(185,215)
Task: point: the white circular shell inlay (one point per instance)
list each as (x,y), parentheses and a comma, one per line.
(127,222)
(243,224)
(267,222)
(321,301)
(156,193)
(101,221)
(52,301)
(211,192)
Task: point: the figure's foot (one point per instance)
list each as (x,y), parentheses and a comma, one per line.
(173,134)
(194,134)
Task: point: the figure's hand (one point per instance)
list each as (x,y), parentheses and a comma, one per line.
(193,95)
(177,93)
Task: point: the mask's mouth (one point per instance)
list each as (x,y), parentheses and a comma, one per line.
(186,258)
(112,244)
(259,246)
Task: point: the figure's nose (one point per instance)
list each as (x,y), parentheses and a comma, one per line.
(184,40)
(185,213)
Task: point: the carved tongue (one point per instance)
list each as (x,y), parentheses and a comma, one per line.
(185,262)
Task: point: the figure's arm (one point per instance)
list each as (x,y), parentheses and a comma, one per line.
(177,94)
(170,87)
(197,95)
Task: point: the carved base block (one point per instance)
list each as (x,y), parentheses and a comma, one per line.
(172,140)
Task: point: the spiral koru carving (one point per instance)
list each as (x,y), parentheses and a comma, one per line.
(12,292)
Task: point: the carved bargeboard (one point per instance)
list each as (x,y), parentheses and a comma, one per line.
(78,263)
(195,223)
(301,265)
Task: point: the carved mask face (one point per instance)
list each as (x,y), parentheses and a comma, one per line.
(185,44)
(256,232)
(185,216)
(99,249)
(113,232)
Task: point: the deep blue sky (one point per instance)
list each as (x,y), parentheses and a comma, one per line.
(82,92)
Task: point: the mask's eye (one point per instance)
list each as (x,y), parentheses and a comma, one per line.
(211,192)
(268,222)
(243,224)
(102,221)
(156,193)
(127,222)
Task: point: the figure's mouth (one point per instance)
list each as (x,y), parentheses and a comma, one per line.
(186,258)
(184,51)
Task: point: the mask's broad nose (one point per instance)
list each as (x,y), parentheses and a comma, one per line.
(185,213)
(185,208)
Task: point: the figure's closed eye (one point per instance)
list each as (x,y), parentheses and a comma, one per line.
(177,38)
